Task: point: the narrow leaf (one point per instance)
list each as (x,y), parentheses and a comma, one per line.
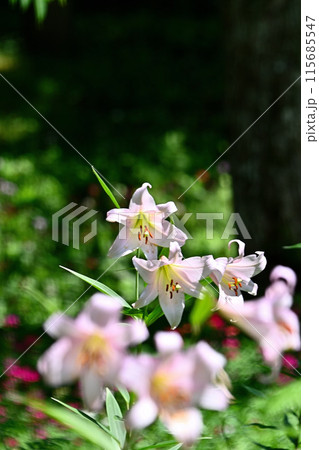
(125,394)
(154,315)
(254,391)
(261,425)
(288,247)
(85,428)
(106,189)
(115,418)
(202,310)
(99,286)
(83,414)
(161,445)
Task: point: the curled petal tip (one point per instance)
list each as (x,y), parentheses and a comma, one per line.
(241,246)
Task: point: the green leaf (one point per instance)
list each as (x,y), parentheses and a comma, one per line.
(254,391)
(106,189)
(176,447)
(115,418)
(41,8)
(125,394)
(288,247)
(266,447)
(260,425)
(202,310)
(84,427)
(161,445)
(164,252)
(132,312)
(154,315)
(83,414)
(99,286)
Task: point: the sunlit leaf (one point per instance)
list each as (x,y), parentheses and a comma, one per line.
(125,394)
(288,247)
(83,414)
(99,286)
(82,426)
(202,310)
(106,188)
(115,418)
(154,315)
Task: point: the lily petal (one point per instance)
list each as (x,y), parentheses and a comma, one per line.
(186,425)
(142,199)
(175,253)
(121,246)
(248,266)
(147,296)
(136,372)
(169,234)
(168,342)
(58,325)
(214,398)
(167,208)
(100,310)
(172,307)
(284,273)
(143,413)
(120,215)
(59,365)
(241,246)
(91,389)
(217,268)
(147,268)
(227,296)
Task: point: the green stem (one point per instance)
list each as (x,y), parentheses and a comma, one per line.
(137,279)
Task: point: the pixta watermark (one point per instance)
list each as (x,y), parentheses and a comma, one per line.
(64,224)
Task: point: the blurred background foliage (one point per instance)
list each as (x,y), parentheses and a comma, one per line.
(146,92)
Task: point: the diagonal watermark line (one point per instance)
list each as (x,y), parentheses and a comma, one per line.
(58,318)
(260,334)
(57,131)
(239,137)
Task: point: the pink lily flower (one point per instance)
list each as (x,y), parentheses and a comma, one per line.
(90,348)
(269,320)
(144,225)
(172,386)
(233,275)
(169,279)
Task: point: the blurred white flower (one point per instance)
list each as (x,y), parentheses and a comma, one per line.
(174,384)
(269,320)
(90,347)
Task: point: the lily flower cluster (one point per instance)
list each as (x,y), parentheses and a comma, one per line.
(144,226)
